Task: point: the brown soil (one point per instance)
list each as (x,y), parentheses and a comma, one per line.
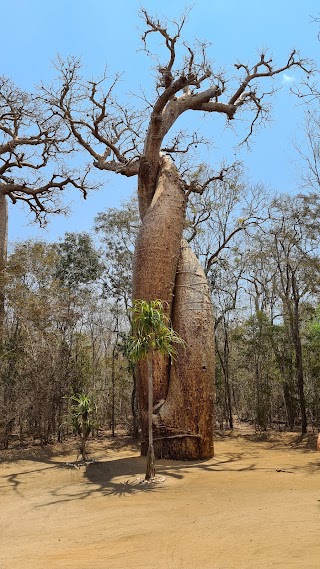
(255,505)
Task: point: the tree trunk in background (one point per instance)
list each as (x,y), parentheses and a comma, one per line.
(3,257)
(113,385)
(296,336)
(300,381)
(226,374)
(285,365)
(299,365)
(166,269)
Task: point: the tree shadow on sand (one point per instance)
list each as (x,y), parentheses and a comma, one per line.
(125,476)
(120,477)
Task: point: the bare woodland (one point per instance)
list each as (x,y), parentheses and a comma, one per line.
(236,267)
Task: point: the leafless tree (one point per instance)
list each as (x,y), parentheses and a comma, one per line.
(137,142)
(33,146)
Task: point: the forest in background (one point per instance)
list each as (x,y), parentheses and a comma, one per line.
(67,316)
(65,306)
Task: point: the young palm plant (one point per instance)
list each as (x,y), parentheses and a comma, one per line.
(151,332)
(82,410)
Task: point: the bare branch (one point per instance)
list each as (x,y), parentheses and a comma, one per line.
(130,142)
(98,123)
(33,141)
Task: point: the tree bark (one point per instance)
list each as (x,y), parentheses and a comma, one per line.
(3,258)
(285,366)
(154,270)
(113,386)
(166,269)
(225,366)
(185,421)
(296,336)
(150,469)
(299,368)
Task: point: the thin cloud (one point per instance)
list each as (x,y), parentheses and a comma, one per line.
(287,78)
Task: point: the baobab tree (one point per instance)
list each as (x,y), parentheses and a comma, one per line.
(137,143)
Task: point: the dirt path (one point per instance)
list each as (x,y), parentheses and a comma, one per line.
(255,505)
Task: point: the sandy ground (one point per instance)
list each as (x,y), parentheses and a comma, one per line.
(255,505)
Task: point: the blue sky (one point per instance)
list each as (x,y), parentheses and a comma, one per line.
(104,32)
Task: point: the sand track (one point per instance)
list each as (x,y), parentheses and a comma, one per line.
(255,505)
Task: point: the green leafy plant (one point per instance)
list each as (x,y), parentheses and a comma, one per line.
(82,411)
(151,332)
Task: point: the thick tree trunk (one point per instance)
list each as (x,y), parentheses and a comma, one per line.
(166,269)
(154,271)
(185,423)
(3,257)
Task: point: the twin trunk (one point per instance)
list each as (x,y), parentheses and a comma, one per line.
(166,269)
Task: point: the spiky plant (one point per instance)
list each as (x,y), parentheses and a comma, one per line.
(82,409)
